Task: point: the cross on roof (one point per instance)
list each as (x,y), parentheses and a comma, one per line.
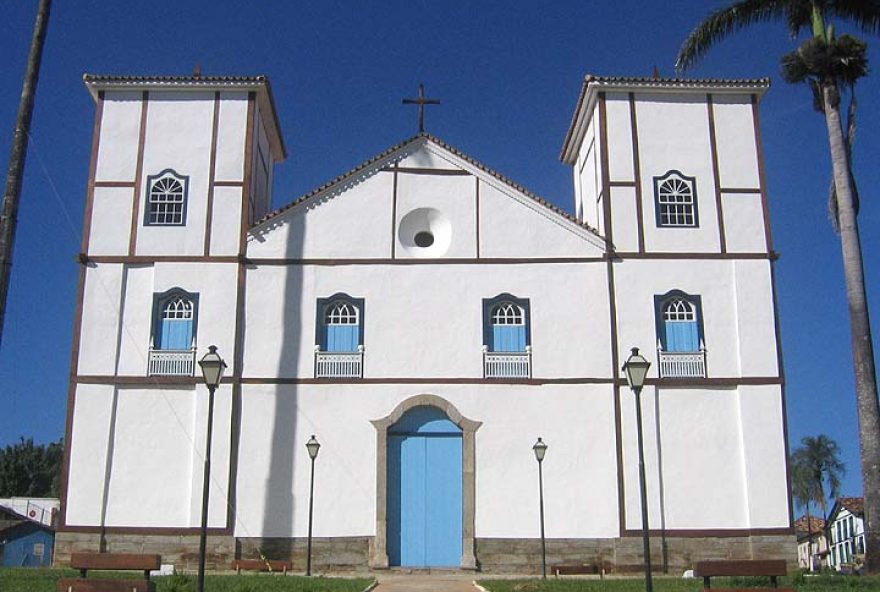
(421,102)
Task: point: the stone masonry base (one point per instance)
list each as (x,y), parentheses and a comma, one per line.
(494,555)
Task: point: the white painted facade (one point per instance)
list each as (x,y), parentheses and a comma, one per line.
(846,534)
(715,444)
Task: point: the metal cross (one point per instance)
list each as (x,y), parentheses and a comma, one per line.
(421,102)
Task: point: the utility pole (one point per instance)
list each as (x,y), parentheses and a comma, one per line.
(18,154)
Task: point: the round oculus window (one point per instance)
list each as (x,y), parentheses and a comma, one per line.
(423,239)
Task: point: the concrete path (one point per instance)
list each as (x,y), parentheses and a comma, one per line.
(426,583)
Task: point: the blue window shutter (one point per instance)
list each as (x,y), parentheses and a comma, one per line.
(682,336)
(508,338)
(342,338)
(175,334)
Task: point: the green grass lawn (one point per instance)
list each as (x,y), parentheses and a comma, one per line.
(43,580)
(667,584)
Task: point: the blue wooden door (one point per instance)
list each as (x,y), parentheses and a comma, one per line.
(508,338)
(425,490)
(175,334)
(682,336)
(341,338)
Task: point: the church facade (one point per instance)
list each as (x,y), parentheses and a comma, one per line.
(427,319)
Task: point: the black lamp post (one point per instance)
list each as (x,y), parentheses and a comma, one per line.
(312,446)
(636,369)
(212,370)
(540,450)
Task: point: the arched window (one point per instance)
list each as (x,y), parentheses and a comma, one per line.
(340,326)
(166,199)
(675,200)
(679,322)
(506,324)
(175,320)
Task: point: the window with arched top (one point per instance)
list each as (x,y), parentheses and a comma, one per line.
(675,200)
(340,323)
(175,320)
(679,322)
(506,324)
(166,199)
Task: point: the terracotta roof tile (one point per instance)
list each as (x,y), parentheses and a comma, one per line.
(856,505)
(817,525)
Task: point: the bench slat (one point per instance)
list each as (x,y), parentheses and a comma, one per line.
(115,561)
(93,585)
(743,567)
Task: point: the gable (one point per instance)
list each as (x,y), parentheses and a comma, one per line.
(421,191)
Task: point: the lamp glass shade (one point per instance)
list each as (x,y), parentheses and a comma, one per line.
(212,366)
(540,449)
(636,368)
(313,446)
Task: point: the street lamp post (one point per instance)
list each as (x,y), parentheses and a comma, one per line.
(540,449)
(636,369)
(212,370)
(312,446)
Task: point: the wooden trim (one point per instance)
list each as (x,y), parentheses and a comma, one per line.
(394,214)
(419,261)
(637,172)
(425,171)
(477,209)
(780,361)
(76,338)
(618,421)
(762,173)
(709,532)
(139,173)
(248,173)
(93,167)
(113,184)
(721,256)
(228,183)
(621,183)
(145,530)
(725,381)
(606,183)
(148,259)
(741,190)
(716,173)
(212,169)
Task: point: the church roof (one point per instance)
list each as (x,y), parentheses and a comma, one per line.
(593,84)
(425,136)
(259,84)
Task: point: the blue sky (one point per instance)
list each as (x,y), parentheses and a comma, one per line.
(508,74)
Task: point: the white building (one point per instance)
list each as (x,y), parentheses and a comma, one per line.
(846,532)
(427,319)
(812,543)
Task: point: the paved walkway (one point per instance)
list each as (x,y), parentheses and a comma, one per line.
(426,583)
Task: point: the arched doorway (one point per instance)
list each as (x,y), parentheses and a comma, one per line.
(425,445)
(424,490)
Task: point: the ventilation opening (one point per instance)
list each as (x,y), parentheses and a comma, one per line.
(423,239)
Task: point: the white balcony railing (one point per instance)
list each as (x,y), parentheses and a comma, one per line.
(507,364)
(172,362)
(682,364)
(339,364)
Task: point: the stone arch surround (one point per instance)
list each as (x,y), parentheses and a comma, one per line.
(469,427)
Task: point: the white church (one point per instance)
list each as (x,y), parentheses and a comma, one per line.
(427,319)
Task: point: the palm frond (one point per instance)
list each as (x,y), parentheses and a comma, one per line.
(864,14)
(724,21)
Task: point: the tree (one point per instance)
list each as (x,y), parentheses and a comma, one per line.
(817,462)
(802,492)
(30,470)
(826,74)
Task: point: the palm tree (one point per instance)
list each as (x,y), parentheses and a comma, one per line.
(827,75)
(802,492)
(817,462)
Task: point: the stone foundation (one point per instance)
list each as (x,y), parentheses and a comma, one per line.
(624,555)
(508,556)
(182,551)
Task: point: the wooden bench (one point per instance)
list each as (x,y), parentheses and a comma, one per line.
(771,568)
(114,562)
(260,565)
(574,569)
